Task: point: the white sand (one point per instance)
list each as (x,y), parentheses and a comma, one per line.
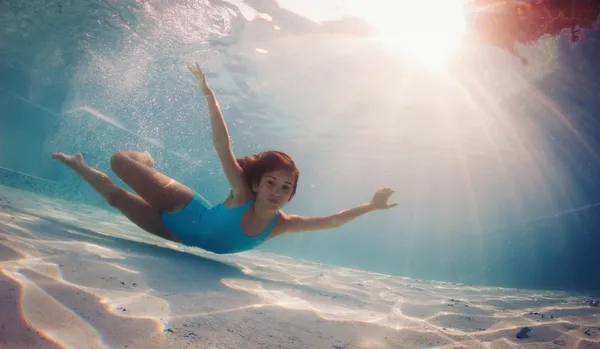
(73,276)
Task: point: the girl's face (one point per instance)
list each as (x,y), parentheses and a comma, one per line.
(275,188)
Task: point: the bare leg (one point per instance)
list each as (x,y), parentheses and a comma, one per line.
(98,180)
(132,206)
(160,191)
(142,157)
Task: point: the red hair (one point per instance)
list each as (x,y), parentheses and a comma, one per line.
(255,166)
(528,23)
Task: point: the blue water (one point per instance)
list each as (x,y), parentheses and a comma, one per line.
(495,164)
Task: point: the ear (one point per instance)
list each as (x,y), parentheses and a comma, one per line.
(255,186)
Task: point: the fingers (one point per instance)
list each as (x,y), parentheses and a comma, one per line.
(387,191)
(193,70)
(382,195)
(194,67)
(200,72)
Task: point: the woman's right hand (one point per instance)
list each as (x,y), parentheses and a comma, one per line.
(201,78)
(381,198)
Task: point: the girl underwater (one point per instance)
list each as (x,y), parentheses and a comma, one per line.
(261,185)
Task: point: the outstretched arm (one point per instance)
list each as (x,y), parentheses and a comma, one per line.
(295,224)
(220,136)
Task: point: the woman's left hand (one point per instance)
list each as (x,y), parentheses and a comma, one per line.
(201,78)
(381,197)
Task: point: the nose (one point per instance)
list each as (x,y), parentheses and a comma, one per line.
(275,194)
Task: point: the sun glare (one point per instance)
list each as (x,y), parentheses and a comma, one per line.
(430,31)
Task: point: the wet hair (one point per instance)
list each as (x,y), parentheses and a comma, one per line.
(256,165)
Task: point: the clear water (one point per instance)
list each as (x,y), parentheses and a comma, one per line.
(495,164)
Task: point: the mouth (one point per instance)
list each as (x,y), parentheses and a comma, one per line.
(274,201)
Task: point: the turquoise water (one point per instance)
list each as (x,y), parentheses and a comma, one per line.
(495,164)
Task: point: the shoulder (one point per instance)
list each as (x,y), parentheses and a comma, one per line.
(284,223)
(238,198)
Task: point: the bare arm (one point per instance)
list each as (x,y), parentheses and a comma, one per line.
(220,136)
(295,224)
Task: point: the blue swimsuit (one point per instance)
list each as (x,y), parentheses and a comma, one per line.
(213,228)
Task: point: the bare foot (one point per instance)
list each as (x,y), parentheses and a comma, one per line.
(148,161)
(72,161)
